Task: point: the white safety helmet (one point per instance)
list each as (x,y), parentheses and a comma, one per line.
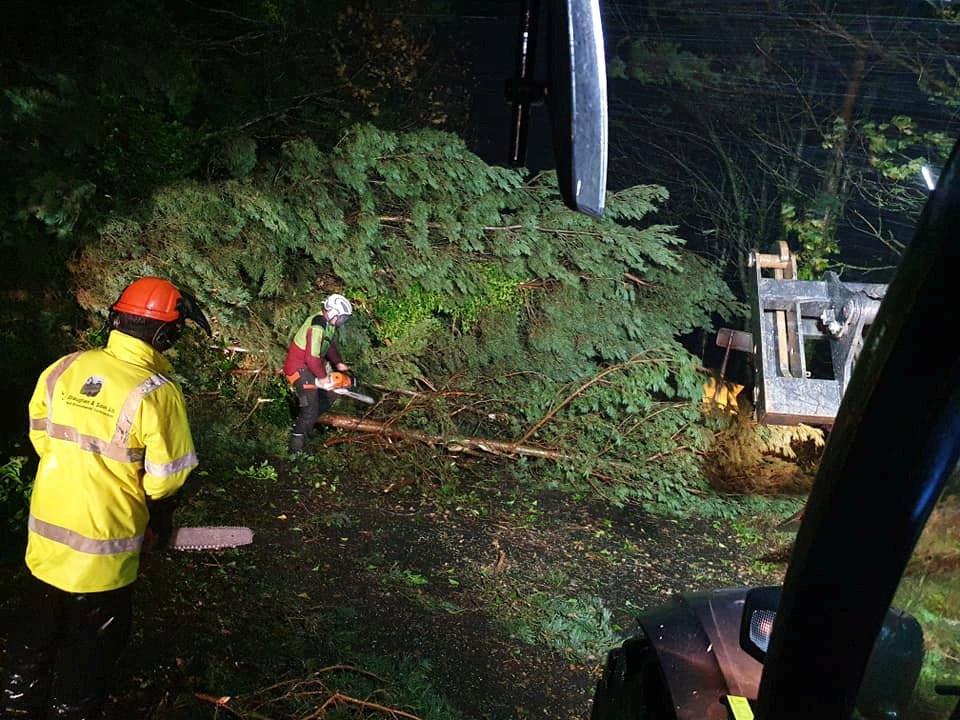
(336,306)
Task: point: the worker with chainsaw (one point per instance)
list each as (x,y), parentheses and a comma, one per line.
(314,367)
(110,427)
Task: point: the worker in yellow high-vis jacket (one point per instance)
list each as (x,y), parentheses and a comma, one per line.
(110,427)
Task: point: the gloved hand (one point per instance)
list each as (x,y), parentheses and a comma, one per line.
(160,527)
(150,541)
(326,383)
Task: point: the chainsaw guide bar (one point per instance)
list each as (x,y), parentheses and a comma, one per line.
(210,538)
(355,395)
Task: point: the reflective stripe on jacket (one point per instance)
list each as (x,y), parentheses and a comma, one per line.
(111,430)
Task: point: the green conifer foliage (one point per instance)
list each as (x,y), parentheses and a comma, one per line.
(527,322)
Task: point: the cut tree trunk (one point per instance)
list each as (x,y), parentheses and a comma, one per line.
(453,444)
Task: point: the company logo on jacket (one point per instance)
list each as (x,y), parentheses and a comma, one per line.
(92,386)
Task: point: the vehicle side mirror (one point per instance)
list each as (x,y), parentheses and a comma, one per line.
(756,625)
(577,100)
(892,669)
(576,96)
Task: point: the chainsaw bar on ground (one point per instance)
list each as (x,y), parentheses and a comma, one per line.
(210,538)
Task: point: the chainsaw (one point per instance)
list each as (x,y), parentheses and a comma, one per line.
(342,382)
(210,538)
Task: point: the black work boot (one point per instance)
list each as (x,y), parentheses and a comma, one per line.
(297,441)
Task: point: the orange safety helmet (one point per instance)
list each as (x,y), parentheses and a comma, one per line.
(160,301)
(150,297)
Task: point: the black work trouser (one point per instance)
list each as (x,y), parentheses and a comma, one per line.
(313,401)
(63,652)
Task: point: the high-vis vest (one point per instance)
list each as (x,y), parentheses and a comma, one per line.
(111,430)
(313,343)
(320,334)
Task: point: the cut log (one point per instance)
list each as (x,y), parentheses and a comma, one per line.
(452,444)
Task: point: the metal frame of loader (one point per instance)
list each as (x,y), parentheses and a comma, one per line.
(808,335)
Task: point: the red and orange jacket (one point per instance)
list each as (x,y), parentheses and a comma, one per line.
(311,347)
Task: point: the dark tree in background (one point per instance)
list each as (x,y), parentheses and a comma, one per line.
(262,153)
(106,101)
(103,103)
(764,121)
(800,121)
